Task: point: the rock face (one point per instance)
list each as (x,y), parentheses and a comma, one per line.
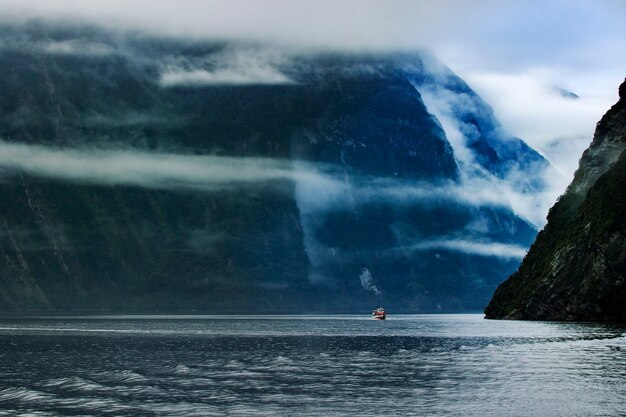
(329,184)
(576,269)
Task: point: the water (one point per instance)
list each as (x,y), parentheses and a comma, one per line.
(438,365)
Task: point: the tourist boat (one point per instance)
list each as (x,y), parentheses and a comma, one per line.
(379,314)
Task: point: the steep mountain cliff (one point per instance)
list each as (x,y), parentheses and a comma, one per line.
(157,174)
(576,269)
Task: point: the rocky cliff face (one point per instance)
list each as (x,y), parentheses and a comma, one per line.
(153,174)
(576,269)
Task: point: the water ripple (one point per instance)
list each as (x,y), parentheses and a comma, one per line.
(453,366)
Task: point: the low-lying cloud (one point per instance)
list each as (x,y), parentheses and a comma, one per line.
(236,66)
(124,118)
(150,170)
(76,47)
(535,109)
(367,282)
(227,76)
(470,247)
(515,185)
(66,47)
(473,191)
(318,187)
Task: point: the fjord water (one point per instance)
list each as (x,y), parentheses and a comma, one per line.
(439,365)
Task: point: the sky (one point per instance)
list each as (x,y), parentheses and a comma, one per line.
(522,57)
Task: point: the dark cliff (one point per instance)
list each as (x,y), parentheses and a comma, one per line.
(576,269)
(153,174)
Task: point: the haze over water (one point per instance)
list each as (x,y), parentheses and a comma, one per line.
(453,365)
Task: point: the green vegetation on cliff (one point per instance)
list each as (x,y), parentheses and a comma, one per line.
(576,269)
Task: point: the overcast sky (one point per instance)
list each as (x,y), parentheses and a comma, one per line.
(516,54)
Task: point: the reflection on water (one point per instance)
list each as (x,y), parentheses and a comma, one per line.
(456,365)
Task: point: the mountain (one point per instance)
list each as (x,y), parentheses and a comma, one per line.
(150,174)
(576,269)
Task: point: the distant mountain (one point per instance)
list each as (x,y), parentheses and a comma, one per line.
(147,174)
(576,269)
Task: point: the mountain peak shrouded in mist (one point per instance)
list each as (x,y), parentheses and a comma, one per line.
(566,93)
(575,269)
(145,174)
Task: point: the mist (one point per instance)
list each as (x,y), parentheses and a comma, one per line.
(234,66)
(76,47)
(514,54)
(474,191)
(320,188)
(470,247)
(522,85)
(150,170)
(536,109)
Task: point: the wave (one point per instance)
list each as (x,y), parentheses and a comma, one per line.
(74,383)
(181,370)
(24,394)
(125,376)
(283,360)
(31,413)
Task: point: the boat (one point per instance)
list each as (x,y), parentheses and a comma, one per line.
(379,314)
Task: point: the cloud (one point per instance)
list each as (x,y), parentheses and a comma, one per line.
(513,53)
(367,281)
(502,34)
(350,195)
(235,66)
(76,47)
(481,248)
(318,187)
(443,104)
(347,24)
(68,47)
(129,118)
(151,170)
(230,76)
(476,191)
(532,107)
(478,186)
(509,34)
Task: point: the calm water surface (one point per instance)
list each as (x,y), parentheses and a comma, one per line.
(422,365)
